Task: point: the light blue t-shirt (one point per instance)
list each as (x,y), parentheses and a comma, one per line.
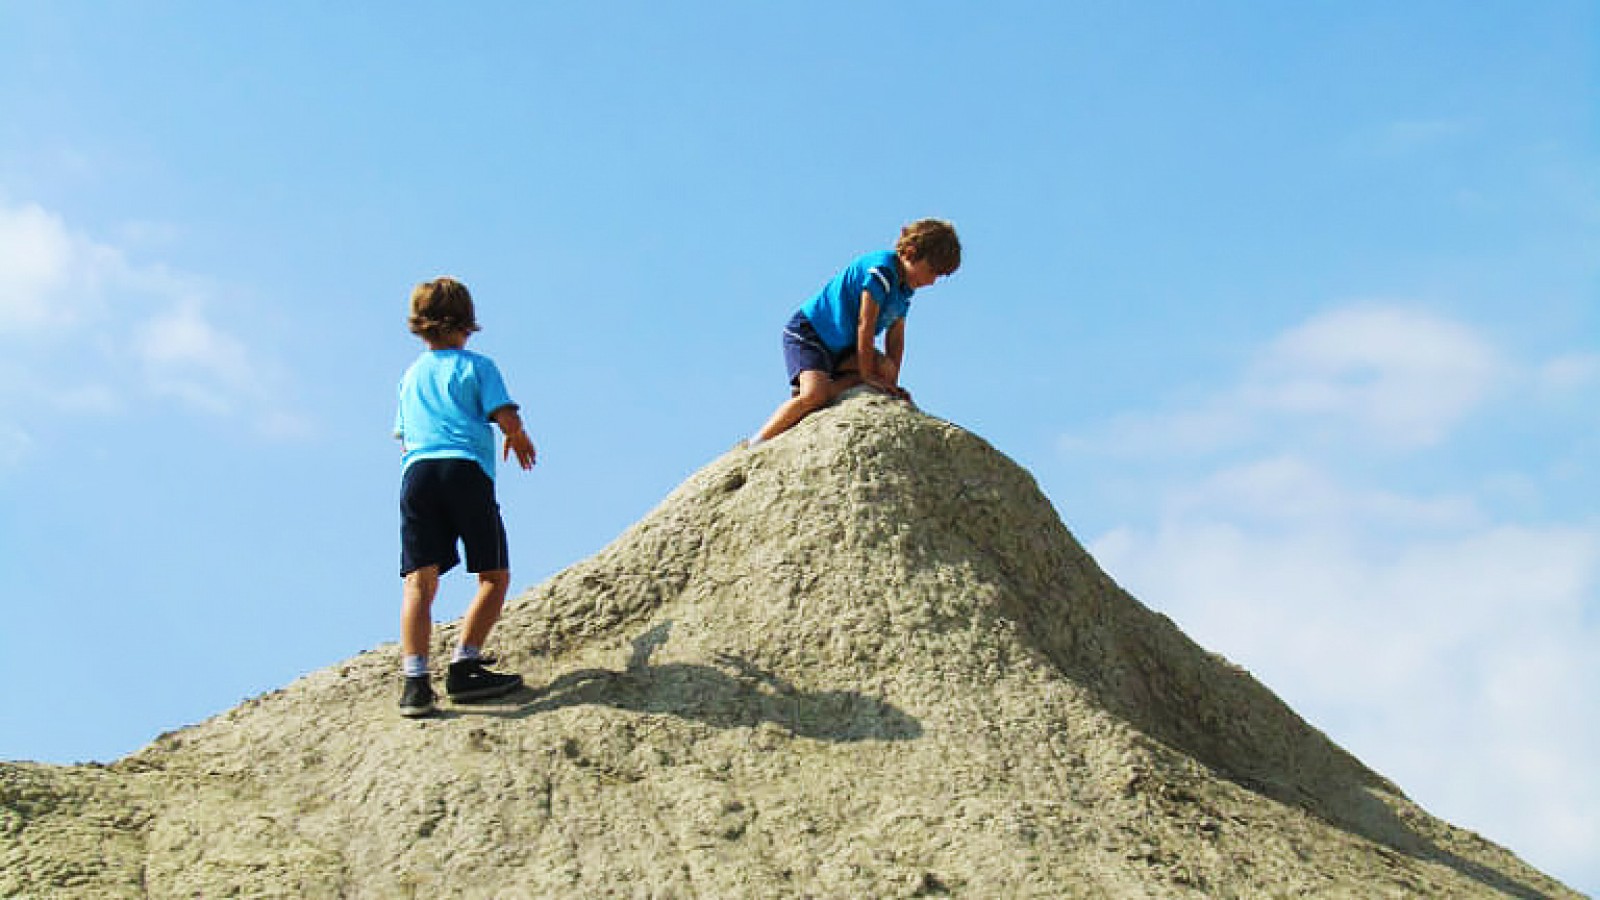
(446,398)
(835,312)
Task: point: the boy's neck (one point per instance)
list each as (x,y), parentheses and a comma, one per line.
(455,340)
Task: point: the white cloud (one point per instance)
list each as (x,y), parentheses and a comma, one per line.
(1379,376)
(1463,666)
(36,260)
(1402,376)
(1573,372)
(1205,428)
(1292,490)
(185,356)
(95,334)
(1453,648)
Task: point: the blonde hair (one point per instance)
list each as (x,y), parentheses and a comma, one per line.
(440,307)
(933,240)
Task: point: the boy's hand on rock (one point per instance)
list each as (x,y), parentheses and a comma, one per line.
(893,390)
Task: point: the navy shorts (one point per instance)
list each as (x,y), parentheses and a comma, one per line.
(443,501)
(803,350)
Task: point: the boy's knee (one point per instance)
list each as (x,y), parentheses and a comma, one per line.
(425,578)
(812,397)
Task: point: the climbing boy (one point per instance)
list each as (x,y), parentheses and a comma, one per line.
(830,345)
(448,397)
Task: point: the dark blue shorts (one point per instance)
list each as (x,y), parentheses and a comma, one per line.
(443,501)
(803,350)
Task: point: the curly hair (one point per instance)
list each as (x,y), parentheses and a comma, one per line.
(933,240)
(440,307)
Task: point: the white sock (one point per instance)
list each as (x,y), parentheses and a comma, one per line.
(467,651)
(415,666)
(755,441)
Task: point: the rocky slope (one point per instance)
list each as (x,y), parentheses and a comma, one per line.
(863,660)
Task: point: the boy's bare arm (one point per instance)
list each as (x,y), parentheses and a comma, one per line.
(866,352)
(894,347)
(517,438)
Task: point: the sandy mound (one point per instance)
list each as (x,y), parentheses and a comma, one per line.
(863,660)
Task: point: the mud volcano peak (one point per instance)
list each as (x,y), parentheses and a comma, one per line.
(865,659)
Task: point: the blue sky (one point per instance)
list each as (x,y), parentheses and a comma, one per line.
(1291,309)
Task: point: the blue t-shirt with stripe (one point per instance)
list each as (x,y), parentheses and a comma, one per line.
(446,398)
(835,312)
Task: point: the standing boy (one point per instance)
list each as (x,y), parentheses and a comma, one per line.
(448,397)
(829,345)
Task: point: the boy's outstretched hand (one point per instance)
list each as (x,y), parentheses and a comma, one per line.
(523,445)
(516,438)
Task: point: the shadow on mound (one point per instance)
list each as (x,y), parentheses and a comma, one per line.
(733,693)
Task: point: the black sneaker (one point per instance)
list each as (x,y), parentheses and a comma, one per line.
(417,698)
(469,680)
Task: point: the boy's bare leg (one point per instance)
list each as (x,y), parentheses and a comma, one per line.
(816,390)
(846,380)
(416,610)
(468,680)
(486,606)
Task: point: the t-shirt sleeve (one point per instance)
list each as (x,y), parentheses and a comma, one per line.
(878,284)
(492,388)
